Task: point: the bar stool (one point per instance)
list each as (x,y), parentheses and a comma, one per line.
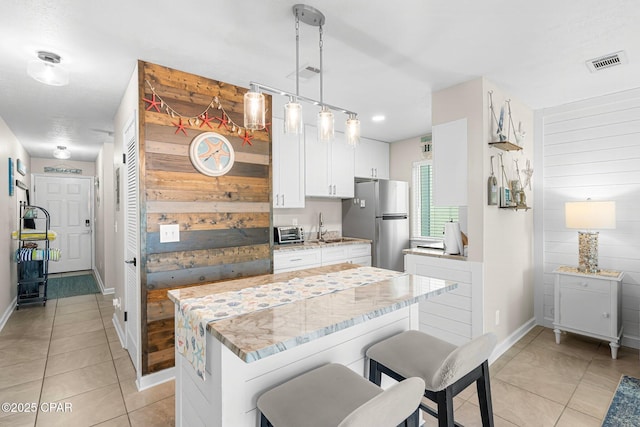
(333,395)
(445,369)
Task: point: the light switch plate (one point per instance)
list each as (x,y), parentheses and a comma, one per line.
(169,233)
(362,204)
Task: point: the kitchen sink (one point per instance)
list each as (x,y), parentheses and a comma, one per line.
(340,240)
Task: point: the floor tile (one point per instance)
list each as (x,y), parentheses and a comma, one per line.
(592,399)
(469,416)
(23,349)
(77,342)
(112,335)
(121,421)
(87,409)
(78,317)
(75,308)
(78,299)
(79,381)
(546,373)
(19,420)
(135,399)
(22,393)
(65,362)
(124,368)
(117,351)
(159,414)
(523,408)
(572,418)
(22,372)
(71,329)
(570,344)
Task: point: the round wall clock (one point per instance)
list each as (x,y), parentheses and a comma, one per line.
(211,154)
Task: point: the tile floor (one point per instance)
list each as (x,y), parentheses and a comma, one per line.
(68,352)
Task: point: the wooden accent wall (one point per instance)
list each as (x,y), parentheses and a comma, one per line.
(225,221)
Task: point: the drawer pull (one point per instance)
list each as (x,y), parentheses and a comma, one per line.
(295,259)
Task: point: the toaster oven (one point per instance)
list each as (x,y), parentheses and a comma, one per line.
(288,234)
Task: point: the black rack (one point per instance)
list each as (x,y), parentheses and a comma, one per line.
(34,225)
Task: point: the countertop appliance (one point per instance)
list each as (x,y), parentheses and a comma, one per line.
(379,212)
(288,234)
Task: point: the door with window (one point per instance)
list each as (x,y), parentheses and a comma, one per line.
(428,220)
(69,202)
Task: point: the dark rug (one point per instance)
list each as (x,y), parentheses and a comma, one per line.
(70,286)
(625,405)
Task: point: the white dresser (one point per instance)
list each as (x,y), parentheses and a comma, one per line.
(589,304)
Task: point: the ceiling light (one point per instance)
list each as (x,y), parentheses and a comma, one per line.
(47,69)
(378,118)
(254,115)
(61,152)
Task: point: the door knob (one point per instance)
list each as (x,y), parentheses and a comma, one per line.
(131,261)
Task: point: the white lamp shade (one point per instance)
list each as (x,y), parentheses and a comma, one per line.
(254,110)
(589,215)
(353,131)
(325,125)
(48,73)
(293,118)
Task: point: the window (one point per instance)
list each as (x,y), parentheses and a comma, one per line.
(428,220)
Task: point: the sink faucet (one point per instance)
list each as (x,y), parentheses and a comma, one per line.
(320,225)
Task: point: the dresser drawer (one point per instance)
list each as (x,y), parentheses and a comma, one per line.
(288,260)
(357,251)
(585,284)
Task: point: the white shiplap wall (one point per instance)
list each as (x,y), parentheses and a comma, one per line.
(592,149)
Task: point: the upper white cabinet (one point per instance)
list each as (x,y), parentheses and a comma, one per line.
(372,159)
(450,163)
(288,167)
(329,166)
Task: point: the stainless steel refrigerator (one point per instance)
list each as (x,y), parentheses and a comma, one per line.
(380,212)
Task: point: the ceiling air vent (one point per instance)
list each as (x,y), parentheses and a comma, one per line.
(306,72)
(607,61)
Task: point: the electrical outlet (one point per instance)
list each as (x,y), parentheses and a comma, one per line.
(294,221)
(169,233)
(497,317)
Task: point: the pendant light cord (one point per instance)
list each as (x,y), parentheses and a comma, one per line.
(297,56)
(321,68)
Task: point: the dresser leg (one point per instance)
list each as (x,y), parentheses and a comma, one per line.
(614,350)
(557,332)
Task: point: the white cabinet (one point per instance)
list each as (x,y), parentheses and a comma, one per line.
(450,163)
(288,168)
(296,259)
(328,166)
(589,304)
(290,260)
(372,159)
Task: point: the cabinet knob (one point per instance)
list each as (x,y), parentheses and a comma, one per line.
(605,315)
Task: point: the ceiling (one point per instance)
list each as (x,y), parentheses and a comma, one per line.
(380,57)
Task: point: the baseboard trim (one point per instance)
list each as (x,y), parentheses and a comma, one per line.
(119,330)
(7,313)
(506,344)
(157,378)
(630,341)
(103,290)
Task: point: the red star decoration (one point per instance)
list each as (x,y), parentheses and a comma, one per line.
(206,119)
(223,121)
(180,127)
(266,128)
(246,138)
(153,103)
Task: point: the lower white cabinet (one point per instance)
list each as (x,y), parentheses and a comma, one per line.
(589,304)
(297,259)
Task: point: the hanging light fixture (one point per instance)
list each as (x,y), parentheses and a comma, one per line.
(47,69)
(253,109)
(254,101)
(293,109)
(62,153)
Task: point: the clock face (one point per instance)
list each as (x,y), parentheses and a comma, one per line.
(212,154)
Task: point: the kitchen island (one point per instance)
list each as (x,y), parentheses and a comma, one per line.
(278,326)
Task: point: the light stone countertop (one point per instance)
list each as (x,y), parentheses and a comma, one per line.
(438,253)
(259,334)
(312,244)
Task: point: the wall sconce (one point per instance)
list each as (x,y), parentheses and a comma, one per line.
(589,215)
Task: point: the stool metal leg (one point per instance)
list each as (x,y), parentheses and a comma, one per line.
(444,399)
(484,396)
(375,374)
(264,422)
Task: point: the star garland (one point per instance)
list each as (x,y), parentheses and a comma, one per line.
(201,119)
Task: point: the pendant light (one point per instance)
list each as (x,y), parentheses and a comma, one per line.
(254,109)
(353,129)
(293,109)
(325,116)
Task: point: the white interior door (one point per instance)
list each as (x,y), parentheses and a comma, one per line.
(132,245)
(69,202)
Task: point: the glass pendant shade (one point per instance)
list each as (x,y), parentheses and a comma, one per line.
(293,117)
(61,152)
(47,69)
(325,125)
(254,110)
(353,130)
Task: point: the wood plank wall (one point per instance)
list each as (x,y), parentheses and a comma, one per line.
(592,149)
(225,221)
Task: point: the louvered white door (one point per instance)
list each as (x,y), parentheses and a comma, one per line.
(132,239)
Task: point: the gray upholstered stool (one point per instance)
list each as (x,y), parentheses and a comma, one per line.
(333,395)
(445,369)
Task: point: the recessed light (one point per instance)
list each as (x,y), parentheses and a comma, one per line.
(377,118)
(47,69)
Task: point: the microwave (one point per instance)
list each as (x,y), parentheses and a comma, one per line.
(288,234)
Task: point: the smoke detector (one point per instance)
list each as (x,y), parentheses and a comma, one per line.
(607,61)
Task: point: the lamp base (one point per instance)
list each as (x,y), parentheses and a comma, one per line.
(588,251)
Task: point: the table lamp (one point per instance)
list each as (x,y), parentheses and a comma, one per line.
(589,215)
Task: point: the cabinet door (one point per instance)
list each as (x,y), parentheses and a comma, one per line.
(342,164)
(316,164)
(372,159)
(585,310)
(288,168)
